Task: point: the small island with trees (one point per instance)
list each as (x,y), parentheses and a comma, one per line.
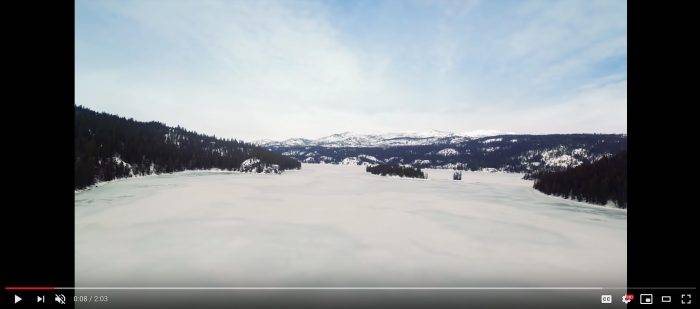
(396,170)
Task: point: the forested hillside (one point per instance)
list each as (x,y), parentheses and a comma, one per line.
(511,153)
(109,147)
(599,182)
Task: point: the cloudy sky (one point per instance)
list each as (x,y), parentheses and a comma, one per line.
(280,69)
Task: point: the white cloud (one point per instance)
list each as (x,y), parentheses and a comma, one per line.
(269,69)
(269,58)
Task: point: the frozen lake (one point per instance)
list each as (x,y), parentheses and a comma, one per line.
(330,225)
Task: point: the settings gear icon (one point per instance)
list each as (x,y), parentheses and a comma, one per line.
(627,298)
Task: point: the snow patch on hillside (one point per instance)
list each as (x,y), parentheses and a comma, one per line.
(350,161)
(556,158)
(491,140)
(249,163)
(579,152)
(448,152)
(368,158)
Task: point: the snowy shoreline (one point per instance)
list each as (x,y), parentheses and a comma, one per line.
(429,171)
(211,171)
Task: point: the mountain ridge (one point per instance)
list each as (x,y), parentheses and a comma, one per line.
(408,138)
(510,152)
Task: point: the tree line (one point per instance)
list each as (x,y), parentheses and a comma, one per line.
(108,147)
(599,182)
(395,170)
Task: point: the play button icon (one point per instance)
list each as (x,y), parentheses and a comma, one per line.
(17,299)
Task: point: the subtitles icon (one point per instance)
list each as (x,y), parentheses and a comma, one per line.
(606,299)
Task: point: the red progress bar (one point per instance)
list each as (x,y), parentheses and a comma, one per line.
(29,288)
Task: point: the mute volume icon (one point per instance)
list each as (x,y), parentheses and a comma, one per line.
(60,298)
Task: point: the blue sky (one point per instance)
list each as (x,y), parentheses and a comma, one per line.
(280,69)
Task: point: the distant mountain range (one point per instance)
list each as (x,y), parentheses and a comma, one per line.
(350,139)
(481,150)
(109,147)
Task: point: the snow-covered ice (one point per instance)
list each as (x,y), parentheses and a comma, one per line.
(336,225)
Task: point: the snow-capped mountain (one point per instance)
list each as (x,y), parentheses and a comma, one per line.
(506,152)
(350,139)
